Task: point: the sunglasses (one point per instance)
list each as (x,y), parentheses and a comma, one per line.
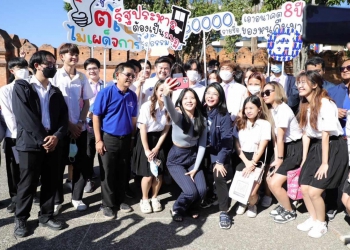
(129,75)
(267,92)
(343,68)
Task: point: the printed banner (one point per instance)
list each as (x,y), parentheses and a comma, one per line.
(284,44)
(91,23)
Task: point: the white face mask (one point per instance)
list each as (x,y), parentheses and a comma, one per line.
(192,75)
(22,73)
(225,75)
(211,81)
(254,89)
(246,80)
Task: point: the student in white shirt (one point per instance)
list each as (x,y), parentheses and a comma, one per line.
(325,154)
(154,123)
(77,92)
(162,68)
(288,149)
(253,133)
(18,66)
(143,75)
(235,93)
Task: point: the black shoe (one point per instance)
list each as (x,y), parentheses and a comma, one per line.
(107,212)
(20,228)
(331,214)
(52,224)
(36,201)
(11,208)
(129,193)
(208,202)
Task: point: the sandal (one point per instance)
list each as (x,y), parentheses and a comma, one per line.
(225,221)
(176,217)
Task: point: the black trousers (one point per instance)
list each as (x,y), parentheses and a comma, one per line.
(80,168)
(331,199)
(91,152)
(12,168)
(32,166)
(113,173)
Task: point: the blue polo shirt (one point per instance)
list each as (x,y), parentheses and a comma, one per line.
(116,110)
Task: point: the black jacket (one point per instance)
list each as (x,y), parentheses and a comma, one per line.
(27,110)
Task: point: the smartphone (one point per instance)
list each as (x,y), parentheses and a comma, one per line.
(182,83)
(327,25)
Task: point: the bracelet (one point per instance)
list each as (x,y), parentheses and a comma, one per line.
(97,141)
(280,158)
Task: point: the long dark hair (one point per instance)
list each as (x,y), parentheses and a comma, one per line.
(221,106)
(242,121)
(154,101)
(199,121)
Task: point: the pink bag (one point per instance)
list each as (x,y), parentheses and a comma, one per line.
(293,188)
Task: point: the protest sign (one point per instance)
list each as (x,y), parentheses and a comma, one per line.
(284,44)
(91,23)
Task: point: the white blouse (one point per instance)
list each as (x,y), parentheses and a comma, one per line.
(250,137)
(153,125)
(284,117)
(327,120)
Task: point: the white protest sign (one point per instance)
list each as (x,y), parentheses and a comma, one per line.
(264,24)
(91,23)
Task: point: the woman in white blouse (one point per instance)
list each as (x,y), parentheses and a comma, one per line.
(288,149)
(253,133)
(325,153)
(154,123)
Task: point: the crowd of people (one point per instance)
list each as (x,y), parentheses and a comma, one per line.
(140,123)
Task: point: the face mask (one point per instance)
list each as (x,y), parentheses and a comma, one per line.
(276,68)
(192,75)
(211,81)
(153,165)
(49,72)
(246,80)
(225,75)
(73,150)
(210,70)
(254,89)
(22,73)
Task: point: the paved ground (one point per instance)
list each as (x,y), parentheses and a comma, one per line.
(88,230)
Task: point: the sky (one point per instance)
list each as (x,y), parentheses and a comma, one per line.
(39,21)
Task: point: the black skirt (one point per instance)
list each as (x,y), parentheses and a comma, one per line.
(249,156)
(293,155)
(140,164)
(337,164)
(346,187)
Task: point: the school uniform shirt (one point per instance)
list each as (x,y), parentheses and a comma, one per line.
(7,111)
(147,88)
(74,91)
(95,87)
(153,125)
(235,94)
(327,120)
(250,137)
(198,88)
(284,117)
(44,101)
(281,80)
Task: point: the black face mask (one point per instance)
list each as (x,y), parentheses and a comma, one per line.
(49,72)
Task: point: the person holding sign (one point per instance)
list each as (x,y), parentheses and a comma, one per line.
(325,153)
(253,132)
(189,135)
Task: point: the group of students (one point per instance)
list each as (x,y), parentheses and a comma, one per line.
(139,123)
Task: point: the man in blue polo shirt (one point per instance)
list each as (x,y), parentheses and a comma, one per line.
(340,94)
(114,121)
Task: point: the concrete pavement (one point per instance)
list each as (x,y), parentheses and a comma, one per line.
(89,230)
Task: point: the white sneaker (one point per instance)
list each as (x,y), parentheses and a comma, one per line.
(319,229)
(145,206)
(266,201)
(79,205)
(157,207)
(306,225)
(252,211)
(241,209)
(57,209)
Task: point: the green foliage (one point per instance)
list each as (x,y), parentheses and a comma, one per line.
(67,7)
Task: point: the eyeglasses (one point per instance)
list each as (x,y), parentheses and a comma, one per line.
(211,94)
(267,92)
(343,68)
(92,69)
(128,75)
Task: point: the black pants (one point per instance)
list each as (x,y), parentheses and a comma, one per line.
(32,166)
(12,168)
(91,152)
(113,173)
(331,199)
(222,188)
(80,168)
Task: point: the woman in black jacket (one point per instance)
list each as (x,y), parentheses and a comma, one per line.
(220,141)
